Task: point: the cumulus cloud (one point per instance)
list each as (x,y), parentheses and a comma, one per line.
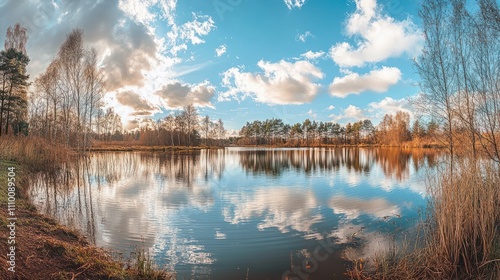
(134,101)
(352,113)
(381,37)
(375,110)
(310,55)
(302,37)
(133,56)
(290,4)
(220,50)
(137,9)
(389,105)
(280,83)
(120,33)
(176,95)
(331,107)
(377,80)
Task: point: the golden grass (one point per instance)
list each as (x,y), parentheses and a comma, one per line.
(36,153)
(460,238)
(145,267)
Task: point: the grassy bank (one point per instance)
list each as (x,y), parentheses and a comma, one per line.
(33,153)
(460,238)
(45,249)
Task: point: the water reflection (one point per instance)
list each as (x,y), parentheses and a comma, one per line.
(199,210)
(353,207)
(274,162)
(284,208)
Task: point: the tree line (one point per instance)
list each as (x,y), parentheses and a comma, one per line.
(183,128)
(393,130)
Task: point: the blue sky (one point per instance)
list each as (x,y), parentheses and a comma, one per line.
(238,60)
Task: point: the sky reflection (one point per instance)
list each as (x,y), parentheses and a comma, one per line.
(197,212)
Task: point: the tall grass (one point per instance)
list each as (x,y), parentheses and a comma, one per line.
(145,267)
(460,237)
(463,236)
(36,153)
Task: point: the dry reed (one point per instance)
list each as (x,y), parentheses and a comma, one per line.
(37,154)
(460,238)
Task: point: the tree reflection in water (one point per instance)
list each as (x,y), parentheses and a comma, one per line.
(193,207)
(274,162)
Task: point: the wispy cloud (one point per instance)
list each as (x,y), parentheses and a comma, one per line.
(190,32)
(220,50)
(310,55)
(290,4)
(312,114)
(302,37)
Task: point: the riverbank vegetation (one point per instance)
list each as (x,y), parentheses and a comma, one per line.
(459,67)
(62,253)
(35,153)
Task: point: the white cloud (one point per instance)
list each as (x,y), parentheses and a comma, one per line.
(200,26)
(280,83)
(168,8)
(310,55)
(331,107)
(138,9)
(381,37)
(312,114)
(377,80)
(303,37)
(352,113)
(191,31)
(375,110)
(220,50)
(294,3)
(392,106)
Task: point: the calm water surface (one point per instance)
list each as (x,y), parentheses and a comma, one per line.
(243,212)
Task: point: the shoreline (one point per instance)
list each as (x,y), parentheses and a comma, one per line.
(45,249)
(143,148)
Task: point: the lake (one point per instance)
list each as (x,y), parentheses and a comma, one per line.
(243,213)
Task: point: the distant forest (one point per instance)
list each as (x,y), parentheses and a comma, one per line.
(393,130)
